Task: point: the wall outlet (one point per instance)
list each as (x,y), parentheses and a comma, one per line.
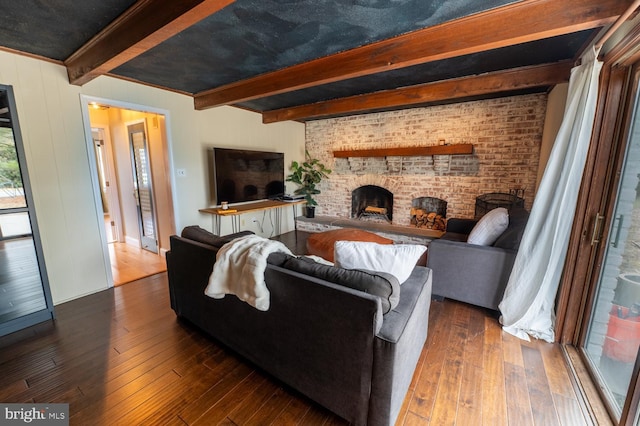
(181,172)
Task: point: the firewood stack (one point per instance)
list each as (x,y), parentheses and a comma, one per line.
(421,218)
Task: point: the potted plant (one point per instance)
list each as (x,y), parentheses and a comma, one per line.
(307,175)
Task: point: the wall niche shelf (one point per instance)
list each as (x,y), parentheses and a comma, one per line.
(458,149)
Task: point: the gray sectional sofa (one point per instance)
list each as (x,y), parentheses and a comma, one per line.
(472,273)
(321,335)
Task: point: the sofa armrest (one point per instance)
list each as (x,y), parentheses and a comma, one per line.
(230,237)
(470,273)
(189,265)
(398,347)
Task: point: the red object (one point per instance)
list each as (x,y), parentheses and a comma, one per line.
(623,335)
(321,243)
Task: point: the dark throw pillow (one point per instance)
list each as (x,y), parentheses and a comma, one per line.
(278,258)
(510,238)
(380,284)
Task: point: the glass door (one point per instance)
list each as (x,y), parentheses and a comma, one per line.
(25,298)
(613,335)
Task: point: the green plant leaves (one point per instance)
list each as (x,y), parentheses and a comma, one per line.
(307,175)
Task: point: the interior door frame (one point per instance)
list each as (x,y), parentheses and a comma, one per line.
(113,197)
(85,102)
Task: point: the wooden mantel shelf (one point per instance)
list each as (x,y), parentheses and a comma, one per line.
(463,148)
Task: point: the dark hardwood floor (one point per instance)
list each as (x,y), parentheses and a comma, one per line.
(20,285)
(121,357)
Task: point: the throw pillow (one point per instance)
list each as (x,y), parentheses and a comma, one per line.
(396,259)
(278,258)
(489,227)
(380,284)
(510,239)
(322,243)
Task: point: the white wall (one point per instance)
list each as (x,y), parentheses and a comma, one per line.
(50,115)
(236,129)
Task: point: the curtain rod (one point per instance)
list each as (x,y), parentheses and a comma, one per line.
(621,19)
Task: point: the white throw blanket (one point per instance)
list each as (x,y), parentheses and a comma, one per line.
(239,270)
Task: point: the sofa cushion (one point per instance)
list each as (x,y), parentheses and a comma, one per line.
(380,284)
(489,227)
(454,236)
(201,235)
(460,225)
(398,259)
(322,243)
(510,239)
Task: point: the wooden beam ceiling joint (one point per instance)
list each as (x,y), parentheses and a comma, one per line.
(521,22)
(143,26)
(440,91)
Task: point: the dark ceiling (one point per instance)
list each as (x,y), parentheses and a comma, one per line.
(252,37)
(308,59)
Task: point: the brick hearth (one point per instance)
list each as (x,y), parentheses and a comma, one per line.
(399,234)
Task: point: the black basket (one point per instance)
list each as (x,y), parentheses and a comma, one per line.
(493,200)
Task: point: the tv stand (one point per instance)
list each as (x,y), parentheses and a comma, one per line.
(237,210)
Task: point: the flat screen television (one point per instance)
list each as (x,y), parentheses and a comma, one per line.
(238,175)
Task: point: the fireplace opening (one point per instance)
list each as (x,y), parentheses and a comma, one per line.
(429,213)
(371,201)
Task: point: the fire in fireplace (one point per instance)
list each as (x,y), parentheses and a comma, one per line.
(371,201)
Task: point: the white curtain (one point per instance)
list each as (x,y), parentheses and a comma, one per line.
(527,307)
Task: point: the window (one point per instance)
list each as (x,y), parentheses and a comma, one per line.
(26,299)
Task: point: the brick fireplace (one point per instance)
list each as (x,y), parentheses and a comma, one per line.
(372,201)
(506,134)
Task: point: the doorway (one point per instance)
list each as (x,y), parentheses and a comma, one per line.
(613,335)
(599,298)
(131,186)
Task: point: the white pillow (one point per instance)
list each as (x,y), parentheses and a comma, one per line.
(396,259)
(489,227)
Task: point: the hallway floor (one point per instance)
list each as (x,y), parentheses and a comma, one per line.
(129,263)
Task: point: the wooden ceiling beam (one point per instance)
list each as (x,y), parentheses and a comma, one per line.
(458,88)
(144,25)
(519,22)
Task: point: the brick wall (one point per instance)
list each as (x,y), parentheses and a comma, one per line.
(506,134)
